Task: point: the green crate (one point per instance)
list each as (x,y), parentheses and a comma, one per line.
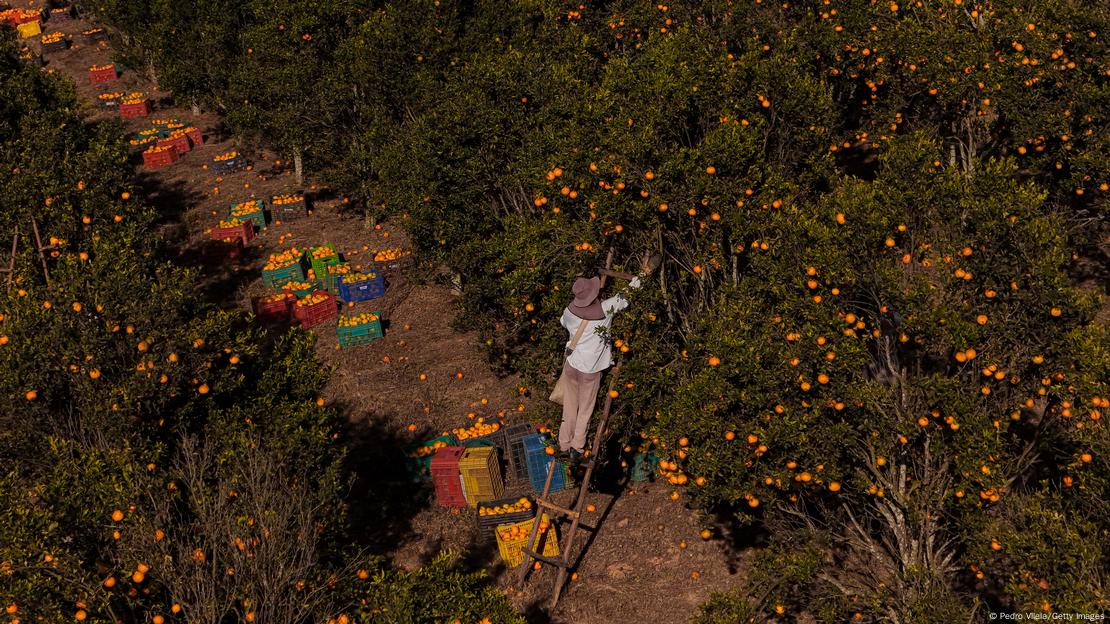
(420,468)
(302,292)
(356,335)
(319,265)
(258,218)
(276,278)
(330,281)
(643,466)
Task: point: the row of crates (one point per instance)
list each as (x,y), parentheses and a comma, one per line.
(524,449)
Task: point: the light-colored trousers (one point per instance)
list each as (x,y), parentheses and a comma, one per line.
(578,407)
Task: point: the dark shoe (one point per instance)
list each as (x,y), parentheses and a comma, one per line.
(563,456)
(575,458)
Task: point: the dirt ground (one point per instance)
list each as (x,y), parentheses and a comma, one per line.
(644,562)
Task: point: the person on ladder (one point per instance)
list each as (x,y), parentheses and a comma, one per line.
(588,354)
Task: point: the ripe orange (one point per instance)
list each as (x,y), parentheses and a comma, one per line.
(117,515)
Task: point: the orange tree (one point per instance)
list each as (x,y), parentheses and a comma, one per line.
(865,333)
(160,459)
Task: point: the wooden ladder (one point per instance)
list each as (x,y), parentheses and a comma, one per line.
(563,560)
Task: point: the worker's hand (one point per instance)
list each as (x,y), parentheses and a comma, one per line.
(649,263)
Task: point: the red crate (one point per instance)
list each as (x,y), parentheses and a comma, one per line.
(157,160)
(218,253)
(196,137)
(445,476)
(134,109)
(244,232)
(273,311)
(312,315)
(180,144)
(107,74)
(20,16)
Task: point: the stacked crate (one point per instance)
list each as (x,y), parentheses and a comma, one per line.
(539,462)
(418,457)
(329,281)
(445,476)
(514,449)
(505,511)
(481,475)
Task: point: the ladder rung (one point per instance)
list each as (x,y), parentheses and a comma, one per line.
(552,506)
(560,563)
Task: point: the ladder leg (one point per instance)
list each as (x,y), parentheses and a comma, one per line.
(522,574)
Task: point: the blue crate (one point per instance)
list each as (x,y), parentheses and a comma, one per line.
(364,290)
(538,462)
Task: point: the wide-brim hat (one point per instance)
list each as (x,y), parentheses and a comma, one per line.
(586,304)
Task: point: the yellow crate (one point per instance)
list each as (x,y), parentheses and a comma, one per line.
(511,539)
(29,29)
(481,475)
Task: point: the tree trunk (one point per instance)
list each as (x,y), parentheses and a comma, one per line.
(298,166)
(152,73)
(195,106)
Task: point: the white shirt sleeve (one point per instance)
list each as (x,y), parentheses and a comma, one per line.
(618,302)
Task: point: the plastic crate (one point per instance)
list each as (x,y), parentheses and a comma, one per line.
(229,165)
(299,292)
(135,109)
(244,232)
(58,45)
(319,264)
(418,464)
(481,475)
(289,212)
(505,518)
(106,74)
(512,548)
(643,466)
(273,311)
(27,30)
(361,290)
(159,159)
(329,281)
(196,137)
(514,449)
(252,210)
(364,334)
(179,143)
(217,253)
(64,13)
(539,462)
(445,476)
(275,278)
(313,315)
(93,35)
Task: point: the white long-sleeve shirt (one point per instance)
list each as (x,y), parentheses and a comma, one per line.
(593,352)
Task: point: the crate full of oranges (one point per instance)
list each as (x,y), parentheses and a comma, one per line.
(315,309)
(358,329)
(418,457)
(505,511)
(284,267)
(512,538)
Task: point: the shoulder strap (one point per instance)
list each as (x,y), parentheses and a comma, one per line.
(577,334)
